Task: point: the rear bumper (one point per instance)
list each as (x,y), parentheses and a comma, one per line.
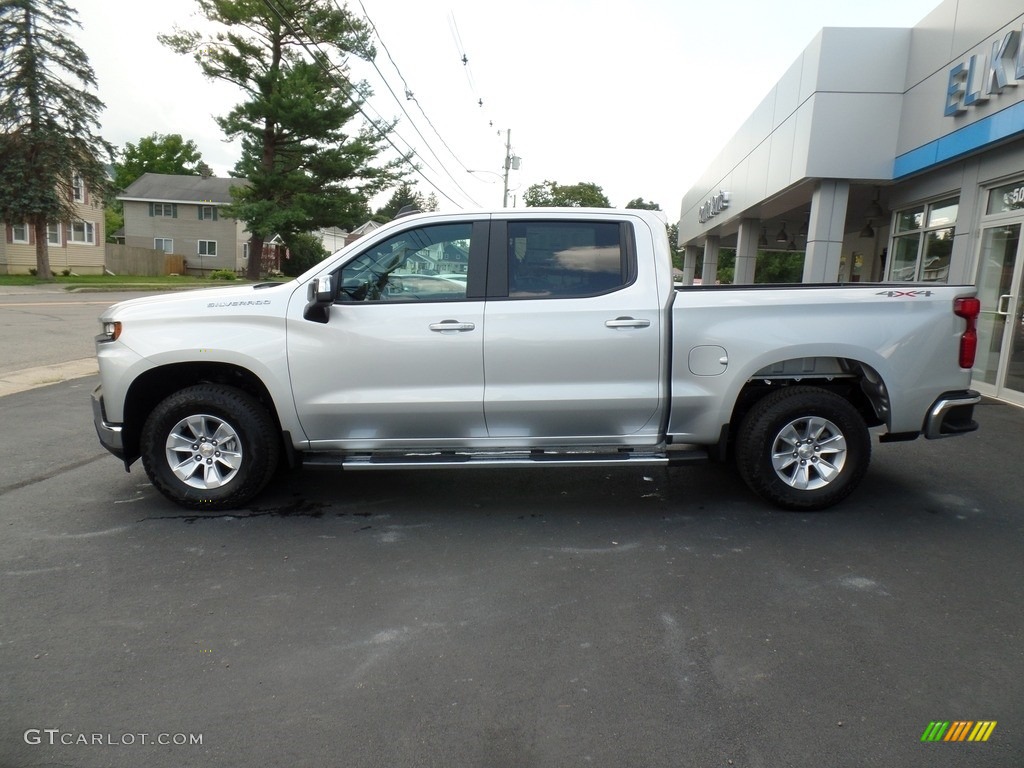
(109,434)
(952,414)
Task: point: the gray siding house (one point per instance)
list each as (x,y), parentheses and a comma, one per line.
(182,215)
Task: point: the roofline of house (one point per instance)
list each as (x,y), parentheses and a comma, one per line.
(170,200)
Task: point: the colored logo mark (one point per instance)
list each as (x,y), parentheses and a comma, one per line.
(958,730)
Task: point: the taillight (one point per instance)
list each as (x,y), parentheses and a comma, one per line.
(968,308)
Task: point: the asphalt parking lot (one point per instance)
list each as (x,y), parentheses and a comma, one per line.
(546,618)
(525,618)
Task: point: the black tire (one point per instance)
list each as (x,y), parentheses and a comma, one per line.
(803,448)
(210,447)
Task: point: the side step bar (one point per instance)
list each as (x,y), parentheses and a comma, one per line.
(512,459)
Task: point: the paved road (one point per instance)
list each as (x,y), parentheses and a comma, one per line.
(46,334)
(539,618)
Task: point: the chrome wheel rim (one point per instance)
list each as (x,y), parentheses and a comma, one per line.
(203,451)
(809,453)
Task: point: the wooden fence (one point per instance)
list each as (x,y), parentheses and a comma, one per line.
(148,262)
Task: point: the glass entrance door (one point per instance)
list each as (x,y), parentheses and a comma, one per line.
(999,368)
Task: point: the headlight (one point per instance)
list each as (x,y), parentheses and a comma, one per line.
(111,331)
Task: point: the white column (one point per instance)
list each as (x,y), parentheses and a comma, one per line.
(709,274)
(746,252)
(689,263)
(825,232)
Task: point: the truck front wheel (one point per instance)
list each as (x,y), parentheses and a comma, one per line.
(803,448)
(209,447)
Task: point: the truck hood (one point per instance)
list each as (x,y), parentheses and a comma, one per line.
(271,299)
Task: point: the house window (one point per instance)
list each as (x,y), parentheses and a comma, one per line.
(19,233)
(207,212)
(83,232)
(245,250)
(207,247)
(923,242)
(163,209)
(164,244)
(53,234)
(77,189)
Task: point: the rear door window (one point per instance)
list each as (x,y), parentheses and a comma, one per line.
(565,259)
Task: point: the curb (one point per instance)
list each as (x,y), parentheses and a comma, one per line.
(42,376)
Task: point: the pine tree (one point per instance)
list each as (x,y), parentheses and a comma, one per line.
(48,119)
(307,169)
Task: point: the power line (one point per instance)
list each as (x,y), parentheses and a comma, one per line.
(402,107)
(327,66)
(409,94)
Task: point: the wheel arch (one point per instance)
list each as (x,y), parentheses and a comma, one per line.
(854,380)
(156,384)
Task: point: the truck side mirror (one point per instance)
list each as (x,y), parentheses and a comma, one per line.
(320,296)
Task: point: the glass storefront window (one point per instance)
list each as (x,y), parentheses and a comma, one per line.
(910,219)
(943,214)
(938,251)
(922,248)
(904,258)
(1005,199)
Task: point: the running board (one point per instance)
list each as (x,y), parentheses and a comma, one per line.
(513,459)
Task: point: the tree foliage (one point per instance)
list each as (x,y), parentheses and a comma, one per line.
(305,250)
(405,195)
(48,119)
(639,203)
(158,153)
(772,266)
(306,166)
(581,195)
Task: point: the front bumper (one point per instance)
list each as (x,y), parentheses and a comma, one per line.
(952,414)
(109,434)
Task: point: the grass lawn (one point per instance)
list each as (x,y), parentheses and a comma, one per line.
(116,281)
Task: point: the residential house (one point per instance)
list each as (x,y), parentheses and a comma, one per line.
(75,246)
(358,232)
(182,215)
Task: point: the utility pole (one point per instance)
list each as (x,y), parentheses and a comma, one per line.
(508,164)
(511,163)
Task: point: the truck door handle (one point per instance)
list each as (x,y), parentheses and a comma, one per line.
(451,325)
(626,322)
(1003,305)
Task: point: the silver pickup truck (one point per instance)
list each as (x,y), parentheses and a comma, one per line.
(528,338)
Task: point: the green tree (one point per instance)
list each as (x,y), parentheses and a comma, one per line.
(113,218)
(306,167)
(673,244)
(158,153)
(49,141)
(772,266)
(581,195)
(404,195)
(639,203)
(304,251)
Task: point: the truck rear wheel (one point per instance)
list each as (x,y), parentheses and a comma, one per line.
(209,447)
(803,448)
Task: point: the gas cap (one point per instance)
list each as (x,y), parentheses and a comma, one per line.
(708,360)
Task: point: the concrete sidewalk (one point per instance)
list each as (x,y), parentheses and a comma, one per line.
(47,333)
(44,375)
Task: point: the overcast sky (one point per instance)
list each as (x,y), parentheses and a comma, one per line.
(636,97)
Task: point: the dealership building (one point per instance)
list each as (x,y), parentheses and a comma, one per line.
(887,154)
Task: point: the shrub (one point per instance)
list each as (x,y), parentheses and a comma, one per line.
(223,274)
